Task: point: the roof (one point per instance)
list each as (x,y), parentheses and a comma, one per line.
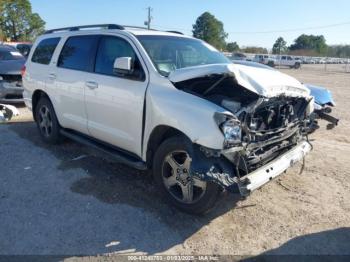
(7,48)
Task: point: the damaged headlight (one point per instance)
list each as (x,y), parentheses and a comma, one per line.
(231,129)
(232,132)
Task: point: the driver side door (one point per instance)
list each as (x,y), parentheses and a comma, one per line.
(115,103)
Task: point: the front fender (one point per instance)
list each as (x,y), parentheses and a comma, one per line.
(185,112)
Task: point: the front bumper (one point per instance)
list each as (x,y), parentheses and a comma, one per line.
(221,171)
(11,92)
(263,175)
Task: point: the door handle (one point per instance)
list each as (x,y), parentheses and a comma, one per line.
(52,76)
(91,84)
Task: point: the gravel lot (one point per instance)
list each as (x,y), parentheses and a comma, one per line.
(53,203)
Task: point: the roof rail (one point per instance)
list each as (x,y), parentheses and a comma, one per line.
(77,28)
(175,32)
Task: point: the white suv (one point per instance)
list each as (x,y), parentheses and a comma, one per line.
(170,103)
(287,60)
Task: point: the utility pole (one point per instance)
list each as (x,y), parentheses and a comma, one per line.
(149,18)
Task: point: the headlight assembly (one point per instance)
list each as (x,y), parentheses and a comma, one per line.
(231,129)
(232,132)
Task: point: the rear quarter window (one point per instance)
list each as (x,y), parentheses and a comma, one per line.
(7,55)
(78,53)
(44,50)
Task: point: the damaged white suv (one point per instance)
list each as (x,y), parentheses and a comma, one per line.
(170,103)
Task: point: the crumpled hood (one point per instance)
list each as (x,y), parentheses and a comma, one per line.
(264,82)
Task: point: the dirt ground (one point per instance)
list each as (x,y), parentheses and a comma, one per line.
(53,203)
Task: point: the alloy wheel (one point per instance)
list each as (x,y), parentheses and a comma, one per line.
(179,181)
(45,121)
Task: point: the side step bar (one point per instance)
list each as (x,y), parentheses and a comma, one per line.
(116,154)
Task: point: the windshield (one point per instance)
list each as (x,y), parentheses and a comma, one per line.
(169,53)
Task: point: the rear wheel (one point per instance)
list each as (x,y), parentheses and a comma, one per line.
(46,121)
(172,173)
(297,66)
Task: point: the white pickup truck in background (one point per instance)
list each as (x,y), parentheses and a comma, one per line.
(279,60)
(287,60)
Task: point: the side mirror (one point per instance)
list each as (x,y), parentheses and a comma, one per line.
(123,65)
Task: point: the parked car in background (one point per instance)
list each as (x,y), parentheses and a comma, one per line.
(171,103)
(238,56)
(264,59)
(11,64)
(22,47)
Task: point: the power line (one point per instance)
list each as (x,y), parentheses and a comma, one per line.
(292,30)
(270,31)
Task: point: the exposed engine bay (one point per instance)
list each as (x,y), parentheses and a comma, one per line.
(268,128)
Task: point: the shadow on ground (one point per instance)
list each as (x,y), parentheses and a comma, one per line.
(331,245)
(118,185)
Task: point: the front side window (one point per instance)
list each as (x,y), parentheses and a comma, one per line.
(78,53)
(169,53)
(109,49)
(44,51)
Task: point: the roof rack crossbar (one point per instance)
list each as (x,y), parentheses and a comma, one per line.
(139,27)
(174,32)
(77,28)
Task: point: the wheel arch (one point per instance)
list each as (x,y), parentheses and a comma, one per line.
(158,135)
(37,95)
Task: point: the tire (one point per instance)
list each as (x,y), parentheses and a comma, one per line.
(172,183)
(46,121)
(271,64)
(297,66)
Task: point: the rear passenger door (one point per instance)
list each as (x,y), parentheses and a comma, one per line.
(68,80)
(37,68)
(114,103)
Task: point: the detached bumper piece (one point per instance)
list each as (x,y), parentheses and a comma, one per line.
(324,114)
(7,112)
(263,175)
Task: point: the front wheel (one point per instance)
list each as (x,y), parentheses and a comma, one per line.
(297,66)
(271,64)
(172,173)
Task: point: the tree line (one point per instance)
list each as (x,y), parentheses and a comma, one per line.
(208,28)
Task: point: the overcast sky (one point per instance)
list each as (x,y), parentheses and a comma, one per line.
(249,22)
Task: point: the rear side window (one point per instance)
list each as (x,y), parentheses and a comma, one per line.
(78,53)
(44,51)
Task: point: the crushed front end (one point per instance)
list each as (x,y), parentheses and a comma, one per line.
(262,140)
(265,126)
